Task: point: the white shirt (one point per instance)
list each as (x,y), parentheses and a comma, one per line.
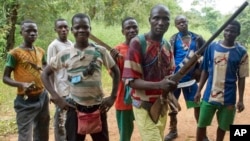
(60,77)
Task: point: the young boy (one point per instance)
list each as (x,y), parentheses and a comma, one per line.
(31,103)
(124,112)
(83,63)
(60,79)
(225,62)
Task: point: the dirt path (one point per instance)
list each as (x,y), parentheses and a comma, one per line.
(186,123)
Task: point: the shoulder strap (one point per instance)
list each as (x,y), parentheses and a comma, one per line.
(172,42)
(96,49)
(168,46)
(143,43)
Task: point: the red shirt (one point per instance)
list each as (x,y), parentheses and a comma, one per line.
(119,104)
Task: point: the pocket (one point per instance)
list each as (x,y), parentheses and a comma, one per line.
(89,123)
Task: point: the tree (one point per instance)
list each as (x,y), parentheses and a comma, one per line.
(212,18)
(243,18)
(7,25)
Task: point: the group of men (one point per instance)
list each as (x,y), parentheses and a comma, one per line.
(141,68)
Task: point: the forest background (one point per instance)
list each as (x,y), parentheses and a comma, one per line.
(106,17)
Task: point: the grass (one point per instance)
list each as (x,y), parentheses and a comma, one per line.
(7,121)
(109,34)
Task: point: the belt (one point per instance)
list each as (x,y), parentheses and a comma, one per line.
(144,104)
(87,109)
(29,97)
(83,108)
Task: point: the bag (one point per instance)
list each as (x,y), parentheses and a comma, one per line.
(127,95)
(89,123)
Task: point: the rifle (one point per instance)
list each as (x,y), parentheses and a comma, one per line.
(159,106)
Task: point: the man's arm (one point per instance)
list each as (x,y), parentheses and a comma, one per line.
(55,98)
(203,79)
(109,101)
(7,80)
(116,79)
(241,88)
(51,52)
(141,84)
(44,61)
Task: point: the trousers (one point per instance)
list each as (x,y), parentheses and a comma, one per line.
(32,116)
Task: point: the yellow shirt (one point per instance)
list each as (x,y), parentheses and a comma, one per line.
(27,64)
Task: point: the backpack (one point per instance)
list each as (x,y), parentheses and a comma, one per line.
(143,44)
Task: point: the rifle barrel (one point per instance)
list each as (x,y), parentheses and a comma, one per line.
(235,14)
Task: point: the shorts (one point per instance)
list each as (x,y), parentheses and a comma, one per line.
(225,115)
(188,93)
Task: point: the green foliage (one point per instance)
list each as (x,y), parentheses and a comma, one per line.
(7,122)
(5,24)
(210,13)
(3,32)
(245,27)
(43,13)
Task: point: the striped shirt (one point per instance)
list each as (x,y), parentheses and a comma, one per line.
(119,103)
(136,66)
(84,89)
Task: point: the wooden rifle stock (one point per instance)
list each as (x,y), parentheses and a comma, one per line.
(159,105)
(100,42)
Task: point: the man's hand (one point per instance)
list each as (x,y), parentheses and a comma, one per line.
(61,103)
(240,106)
(197,97)
(167,83)
(28,87)
(196,75)
(107,103)
(114,53)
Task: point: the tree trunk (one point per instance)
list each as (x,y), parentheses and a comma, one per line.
(11,20)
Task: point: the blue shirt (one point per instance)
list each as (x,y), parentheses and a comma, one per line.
(224,65)
(180,53)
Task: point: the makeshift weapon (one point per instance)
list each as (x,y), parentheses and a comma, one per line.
(100,42)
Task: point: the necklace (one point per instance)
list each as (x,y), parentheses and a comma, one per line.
(185,41)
